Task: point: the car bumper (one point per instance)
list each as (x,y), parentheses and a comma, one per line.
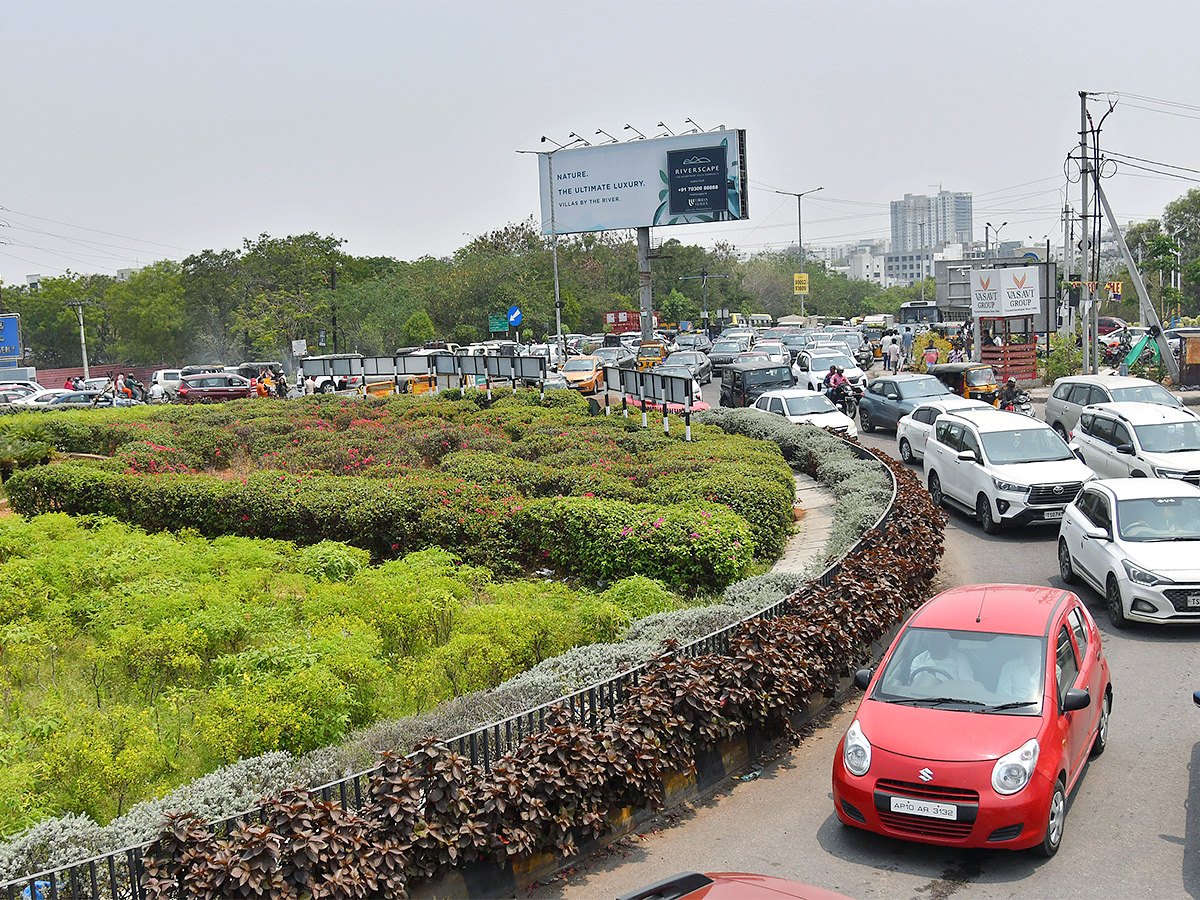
(983,818)
(1011,511)
(1165,604)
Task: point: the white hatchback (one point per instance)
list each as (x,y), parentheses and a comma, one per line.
(914,429)
(1137,541)
(803,407)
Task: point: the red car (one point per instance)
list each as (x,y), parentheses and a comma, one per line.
(213,386)
(729,886)
(978,722)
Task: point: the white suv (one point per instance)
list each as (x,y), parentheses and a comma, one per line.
(1005,467)
(1139,440)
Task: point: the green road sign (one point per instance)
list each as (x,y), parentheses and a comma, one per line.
(498,323)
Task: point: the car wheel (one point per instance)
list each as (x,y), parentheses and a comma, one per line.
(328,388)
(1064,563)
(935,489)
(1112,599)
(864,420)
(1055,820)
(1062,432)
(1101,741)
(983,512)
(906,453)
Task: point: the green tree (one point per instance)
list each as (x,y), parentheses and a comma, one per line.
(418,329)
(152,323)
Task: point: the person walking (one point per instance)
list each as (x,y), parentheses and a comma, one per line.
(894,355)
(906,340)
(885,346)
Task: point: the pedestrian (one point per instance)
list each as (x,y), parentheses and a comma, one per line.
(931,355)
(310,385)
(885,345)
(906,339)
(894,355)
(157,393)
(281,386)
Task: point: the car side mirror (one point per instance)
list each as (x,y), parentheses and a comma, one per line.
(967,456)
(1078,454)
(862,680)
(1125,449)
(1095,533)
(893,396)
(1077,698)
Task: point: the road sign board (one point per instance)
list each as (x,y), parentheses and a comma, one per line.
(800,285)
(514,316)
(10,336)
(497,323)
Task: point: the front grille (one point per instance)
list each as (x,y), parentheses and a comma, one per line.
(1179,598)
(1054,494)
(920,825)
(921,791)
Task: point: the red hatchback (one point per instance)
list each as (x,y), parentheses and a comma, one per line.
(979,721)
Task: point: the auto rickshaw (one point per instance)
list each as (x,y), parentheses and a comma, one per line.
(650,354)
(975,381)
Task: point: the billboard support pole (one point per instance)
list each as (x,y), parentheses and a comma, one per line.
(562,343)
(644,294)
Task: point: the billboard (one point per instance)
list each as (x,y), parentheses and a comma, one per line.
(1005,292)
(683,179)
(10,339)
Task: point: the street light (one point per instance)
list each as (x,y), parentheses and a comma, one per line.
(800,228)
(703,276)
(988,228)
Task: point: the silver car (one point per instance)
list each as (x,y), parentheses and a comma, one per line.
(1072,393)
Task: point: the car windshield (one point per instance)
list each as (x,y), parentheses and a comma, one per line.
(773,375)
(981,376)
(978,671)
(1169,437)
(1159,519)
(579,365)
(727,347)
(651,352)
(1024,445)
(1145,393)
(922,387)
(807,406)
(825,360)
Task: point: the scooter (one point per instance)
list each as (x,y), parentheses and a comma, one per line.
(1022,404)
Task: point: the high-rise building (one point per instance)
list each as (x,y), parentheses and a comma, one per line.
(921,222)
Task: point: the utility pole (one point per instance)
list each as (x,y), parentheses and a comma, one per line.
(333,304)
(1085,290)
(703,276)
(800,228)
(78,304)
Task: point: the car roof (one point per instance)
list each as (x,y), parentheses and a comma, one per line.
(906,377)
(1143,413)
(754,364)
(1112,381)
(996,608)
(988,419)
(953,403)
(788,393)
(1134,488)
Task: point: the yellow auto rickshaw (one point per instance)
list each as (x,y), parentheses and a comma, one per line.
(650,354)
(975,381)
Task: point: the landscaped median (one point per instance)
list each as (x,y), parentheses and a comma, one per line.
(570,782)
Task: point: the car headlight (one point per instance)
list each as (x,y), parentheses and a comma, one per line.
(1141,576)
(1010,487)
(856,750)
(1013,770)
(1169,473)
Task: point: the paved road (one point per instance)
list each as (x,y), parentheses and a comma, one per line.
(1133,828)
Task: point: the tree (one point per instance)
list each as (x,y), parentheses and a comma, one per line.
(418,329)
(152,322)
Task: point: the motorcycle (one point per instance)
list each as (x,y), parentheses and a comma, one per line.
(845,397)
(1021,404)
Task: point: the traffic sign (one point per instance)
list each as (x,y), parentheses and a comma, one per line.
(514,316)
(10,336)
(497,323)
(801,283)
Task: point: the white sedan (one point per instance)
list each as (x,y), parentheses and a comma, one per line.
(914,429)
(41,397)
(1137,541)
(801,407)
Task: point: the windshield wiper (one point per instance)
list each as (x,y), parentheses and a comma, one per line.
(937,701)
(1017,704)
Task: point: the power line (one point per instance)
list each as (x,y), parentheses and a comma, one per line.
(1163,102)
(94,230)
(1150,161)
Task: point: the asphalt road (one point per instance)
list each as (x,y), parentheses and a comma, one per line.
(1133,825)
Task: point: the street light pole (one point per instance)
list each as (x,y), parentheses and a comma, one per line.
(988,228)
(703,276)
(800,228)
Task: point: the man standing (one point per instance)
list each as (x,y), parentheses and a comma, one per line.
(906,339)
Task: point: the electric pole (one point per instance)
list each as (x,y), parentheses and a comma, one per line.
(703,276)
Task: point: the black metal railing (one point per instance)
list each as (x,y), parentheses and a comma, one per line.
(117,875)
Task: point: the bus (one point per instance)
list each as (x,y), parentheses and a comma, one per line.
(919,312)
(751,320)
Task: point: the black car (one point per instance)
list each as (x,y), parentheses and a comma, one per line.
(725,351)
(697,363)
(694,340)
(744,382)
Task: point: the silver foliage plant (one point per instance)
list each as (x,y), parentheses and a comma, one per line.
(862,490)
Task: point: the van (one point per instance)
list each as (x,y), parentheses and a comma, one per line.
(169,380)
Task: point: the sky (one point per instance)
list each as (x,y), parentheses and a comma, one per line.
(134,132)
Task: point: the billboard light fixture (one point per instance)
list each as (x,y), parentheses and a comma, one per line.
(607,135)
(697,129)
(628,127)
(586,142)
(664,125)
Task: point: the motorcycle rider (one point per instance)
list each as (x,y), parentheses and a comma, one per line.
(1008,396)
(836,385)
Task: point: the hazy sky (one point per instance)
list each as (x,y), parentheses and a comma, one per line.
(138,131)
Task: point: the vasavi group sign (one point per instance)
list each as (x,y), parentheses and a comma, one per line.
(1005,292)
(679,180)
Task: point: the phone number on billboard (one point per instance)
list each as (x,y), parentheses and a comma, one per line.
(692,188)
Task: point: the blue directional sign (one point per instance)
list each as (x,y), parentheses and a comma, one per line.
(514,316)
(10,337)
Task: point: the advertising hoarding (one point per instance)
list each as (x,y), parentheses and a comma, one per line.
(678,180)
(997,293)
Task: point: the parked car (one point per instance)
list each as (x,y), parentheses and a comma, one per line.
(42,397)
(812,365)
(1175,336)
(726,351)
(1106,324)
(212,387)
(804,407)
(697,363)
(743,383)
(1137,541)
(86,399)
(650,354)
(1073,392)
(584,373)
(18,389)
(1130,333)
(914,429)
(621,357)
(168,378)
(979,721)
(728,886)
(774,351)
(1139,440)
(889,398)
(1006,468)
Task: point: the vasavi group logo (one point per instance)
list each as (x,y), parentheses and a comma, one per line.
(1021,295)
(1011,292)
(985,299)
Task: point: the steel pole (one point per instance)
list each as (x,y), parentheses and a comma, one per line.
(1084,268)
(562,343)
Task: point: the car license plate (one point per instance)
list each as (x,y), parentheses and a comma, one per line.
(1193,600)
(1052,514)
(924,808)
